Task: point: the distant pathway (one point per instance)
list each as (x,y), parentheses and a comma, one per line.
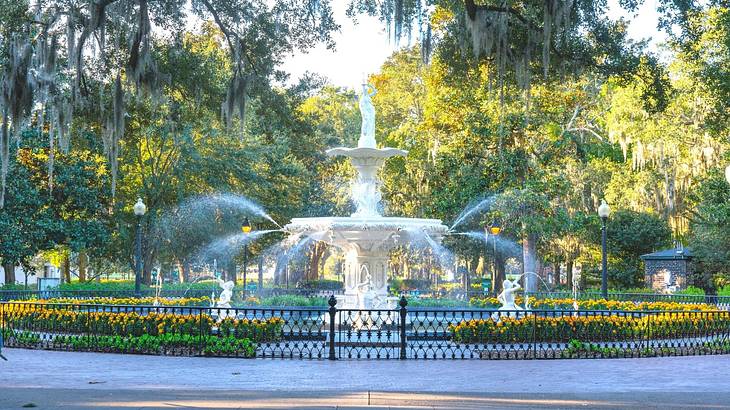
(110,380)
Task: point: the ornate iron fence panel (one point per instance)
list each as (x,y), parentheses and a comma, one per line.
(368,334)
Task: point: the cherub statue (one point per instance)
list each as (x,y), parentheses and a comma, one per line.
(224,300)
(507,296)
(367,111)
(364,293)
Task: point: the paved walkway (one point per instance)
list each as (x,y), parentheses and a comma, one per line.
(92,380)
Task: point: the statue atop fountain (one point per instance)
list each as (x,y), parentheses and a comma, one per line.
(367,111)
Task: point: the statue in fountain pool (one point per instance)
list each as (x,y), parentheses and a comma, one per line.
(507,296)
(224,300)
(367,111)
(367,298)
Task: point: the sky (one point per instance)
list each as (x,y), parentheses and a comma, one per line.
(363,47)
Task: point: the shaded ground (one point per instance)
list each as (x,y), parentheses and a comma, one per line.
(50,380)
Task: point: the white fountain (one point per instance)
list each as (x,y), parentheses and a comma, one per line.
(366,237)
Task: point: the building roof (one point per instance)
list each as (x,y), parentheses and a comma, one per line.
(669,254)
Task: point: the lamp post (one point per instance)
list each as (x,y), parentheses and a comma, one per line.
(727,174)
(494,229)
(603,211)
(139,210)
(246,229)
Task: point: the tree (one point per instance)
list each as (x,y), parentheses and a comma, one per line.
(72,214)
(709,229)
(64,56)
(630,235)
(26,220)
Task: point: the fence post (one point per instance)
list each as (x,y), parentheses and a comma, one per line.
(403,312)
(201,338)
(648,336)
(2,328)
(333,312)
(534,335)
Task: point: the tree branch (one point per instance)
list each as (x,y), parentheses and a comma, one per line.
(472,8)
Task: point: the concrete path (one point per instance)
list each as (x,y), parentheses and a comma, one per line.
(49,380)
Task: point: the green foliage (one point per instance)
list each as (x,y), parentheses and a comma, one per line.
(410,284)
(606,120)
(321,284)
(293,300)
(170,344)
(112,285)
(710,227)
(72,212)
(434,302)
(691,290)
(14,286)
(630,235)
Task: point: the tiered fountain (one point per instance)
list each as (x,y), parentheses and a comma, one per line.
(366,237)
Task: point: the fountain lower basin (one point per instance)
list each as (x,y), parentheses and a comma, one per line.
(367,242)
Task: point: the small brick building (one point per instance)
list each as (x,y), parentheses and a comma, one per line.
(667,270)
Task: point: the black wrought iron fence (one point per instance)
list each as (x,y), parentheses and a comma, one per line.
(332,333)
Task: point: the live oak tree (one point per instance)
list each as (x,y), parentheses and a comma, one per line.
(72,215)
(61,59)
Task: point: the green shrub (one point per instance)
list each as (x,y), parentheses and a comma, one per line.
(161,344)
(321,284)
(410,284)
(293,300)
(724,291)
(16,286)
(691,290)
(435,302)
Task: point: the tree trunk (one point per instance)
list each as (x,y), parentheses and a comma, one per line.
(183,270)
(569,273)
(500,276)
(475,265)
(529,258)
(147,274)
(83,264)
(9,269)
(315,257)
(280,270)
(66,269)
(261,274)
(232,272)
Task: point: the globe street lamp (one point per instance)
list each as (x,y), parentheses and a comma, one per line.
(494,229)
(139,210)
(246,229)
(604,211)
(727,174)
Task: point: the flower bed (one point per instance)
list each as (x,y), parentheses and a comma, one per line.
(603,328)
(594,304)
(65,319)
(168,344)
(131,301)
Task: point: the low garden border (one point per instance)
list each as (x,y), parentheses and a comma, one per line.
(332,333)
(29,295)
